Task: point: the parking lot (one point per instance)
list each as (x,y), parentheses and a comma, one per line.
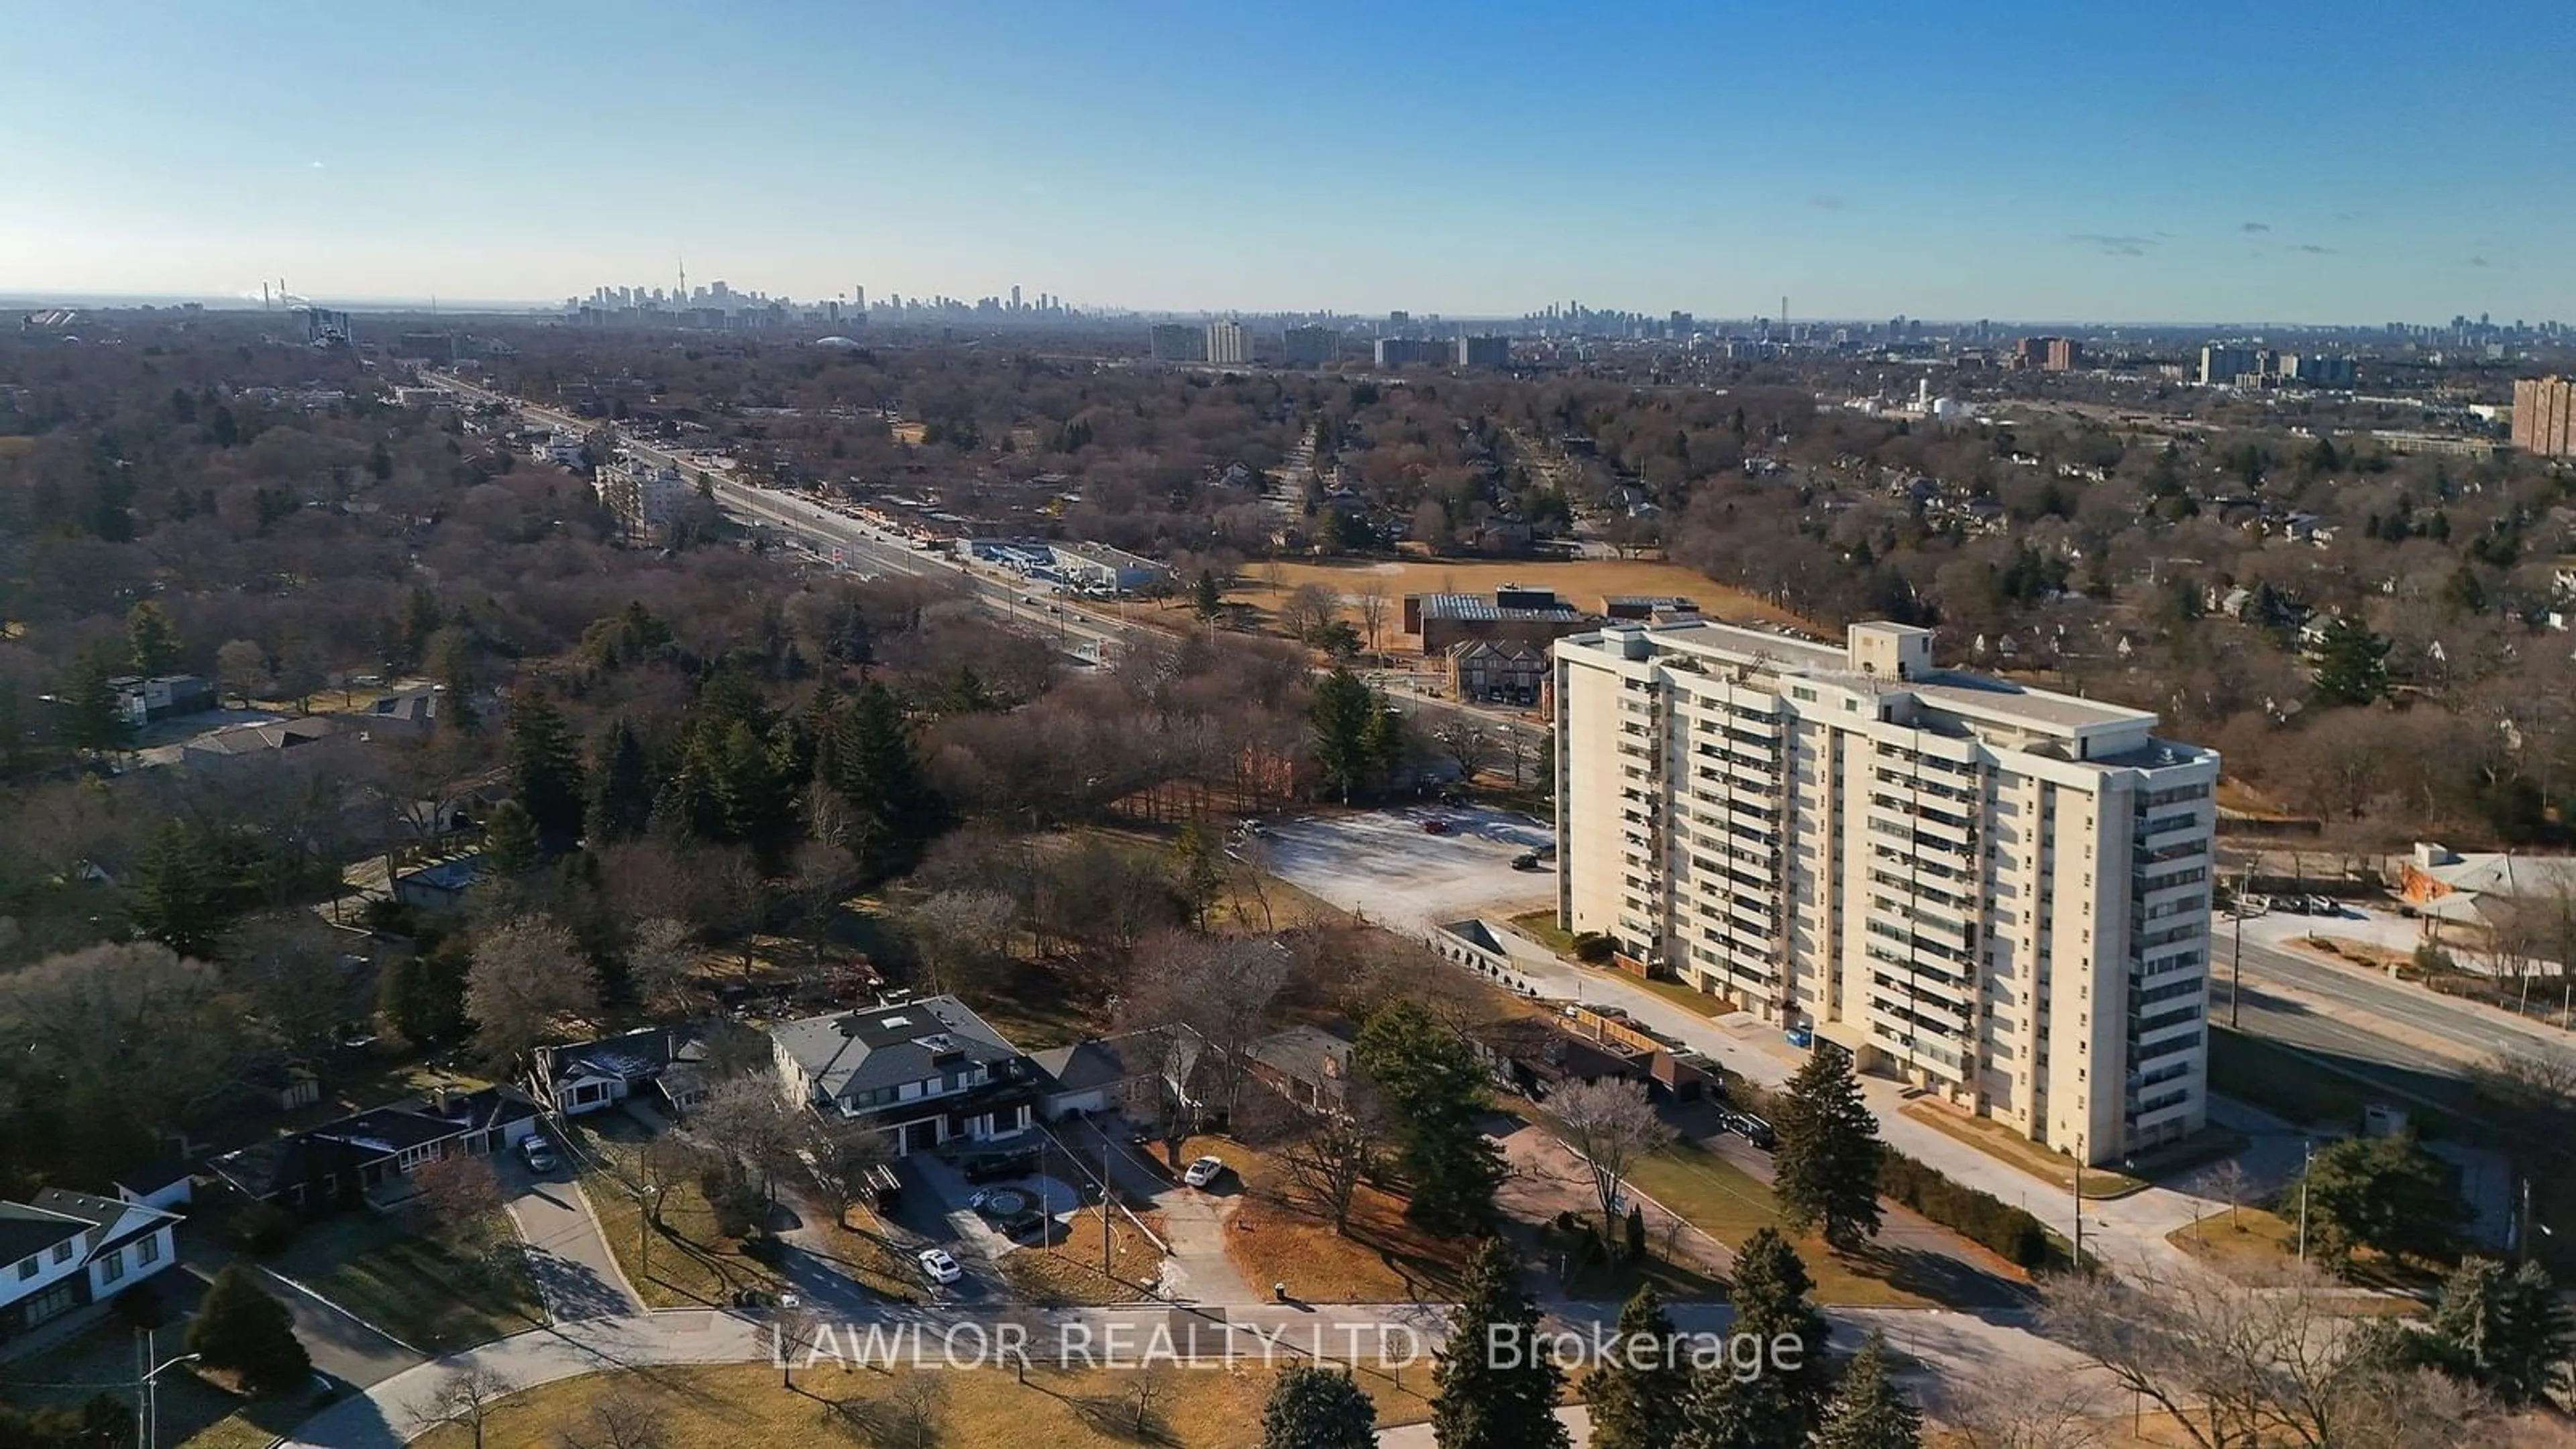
(1384,864)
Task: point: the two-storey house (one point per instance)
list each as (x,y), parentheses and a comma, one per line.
(61,1251)
(924,1071)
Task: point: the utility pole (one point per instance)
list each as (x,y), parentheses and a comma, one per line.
(2236,966)
(2078,1176)
(1104,1201)
(2307,1155)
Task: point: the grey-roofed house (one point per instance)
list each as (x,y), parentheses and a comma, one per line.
(1101,1074)
(1308,1065)
(925,1071)
(368,1158)
(669,1061)
(61,1251)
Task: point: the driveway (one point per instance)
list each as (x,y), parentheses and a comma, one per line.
(576,1273)
(1195,1223)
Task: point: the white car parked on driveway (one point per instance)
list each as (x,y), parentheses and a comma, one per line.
(1204,1171)
(938,1267)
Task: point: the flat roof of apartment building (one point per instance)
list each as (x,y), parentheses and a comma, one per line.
(1973,696)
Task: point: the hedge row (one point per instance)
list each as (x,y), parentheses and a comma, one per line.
(1980,1216)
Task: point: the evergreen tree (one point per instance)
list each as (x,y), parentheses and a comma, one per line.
(380,463)
(1770,1296)
(151,639)
(1638,1391)
(178,891)
(1753,1412)
(89,712)
(421,994)
(1435,1086)
(1207,600)
(2351,663)
(242,1330)
(2384,1193)
(1868,1412)
(17,741)
(420,618)
(2507,1332)
(225,430)
(1312,1407)
(510,848)
(870,760)
(545,768)
(1496,1391)
(1829,1156)
(1347,719)
(621,787)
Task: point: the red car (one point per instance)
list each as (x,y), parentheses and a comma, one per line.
(1435,826)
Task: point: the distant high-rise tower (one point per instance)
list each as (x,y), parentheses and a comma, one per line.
(1015,296)
(859,295)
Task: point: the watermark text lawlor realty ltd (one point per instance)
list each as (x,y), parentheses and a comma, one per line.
(1120,1344)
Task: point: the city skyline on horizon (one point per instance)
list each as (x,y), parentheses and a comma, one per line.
(1992,158)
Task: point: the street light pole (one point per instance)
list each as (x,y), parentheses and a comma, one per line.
(2236,967)
(2307,1158)
(147,1431)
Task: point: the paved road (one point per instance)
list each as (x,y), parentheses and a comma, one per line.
(2310,1002)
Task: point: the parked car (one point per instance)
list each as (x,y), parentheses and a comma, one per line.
(1027,1223)
(996,1166)
(938,1267)
(1526,860)
(539,1154)
(1751,1128)
(1204,1171)
(1435,826)
(2324,906)
(2293,905)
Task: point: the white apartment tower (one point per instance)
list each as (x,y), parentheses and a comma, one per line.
(1229,344)
(2001,894)
(643,495)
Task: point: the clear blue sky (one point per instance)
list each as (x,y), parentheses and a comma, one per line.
(2057,159)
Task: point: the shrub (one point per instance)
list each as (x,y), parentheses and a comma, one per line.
(1636,1234)
(2432,959)
(260,1228)
(1594,948)
(1979,1216)
(1565,1222)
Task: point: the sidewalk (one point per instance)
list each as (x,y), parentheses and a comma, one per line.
(2130,1229)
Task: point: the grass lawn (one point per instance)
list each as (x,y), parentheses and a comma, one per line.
(1029,1005)
(1728,1204)
(743,1406)
(862,1249)
(2253,1246)
(688,1263)
(1067,1270)
(2005,1145)
(415,1287)
(1688,998)
(1541,926)
(1278,1235)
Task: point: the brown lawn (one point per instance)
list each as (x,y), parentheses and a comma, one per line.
(1068,1270)
(743,1406)
(1279,1235)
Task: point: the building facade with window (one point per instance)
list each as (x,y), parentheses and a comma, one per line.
(1999,894)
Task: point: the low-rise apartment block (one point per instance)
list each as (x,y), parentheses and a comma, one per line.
(2000,894)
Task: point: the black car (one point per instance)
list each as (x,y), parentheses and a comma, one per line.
(994,1167)
(1029,1224)
(1751,1128)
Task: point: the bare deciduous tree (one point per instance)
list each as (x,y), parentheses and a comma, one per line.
(1328,1154)
(528,976)
(1306,610)
(467,1399)
(1370,600)
(661,960)
(960,936)
(916,1403)
(2022,1409)
(619,1418)
(2237,1366)
(1612,1124)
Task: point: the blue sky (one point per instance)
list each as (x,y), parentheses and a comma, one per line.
(2103,161)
